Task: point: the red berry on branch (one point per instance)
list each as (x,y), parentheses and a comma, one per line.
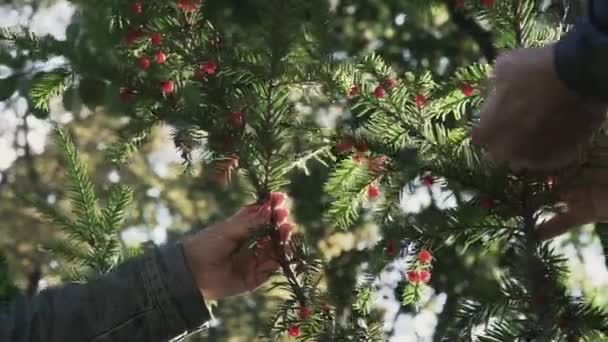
(358,158)
(236,119)
(187,5)
(425,256)
(487,203)
(391,248)
(467,89)
(354,91)
(428,181)
(390,83)
(459,4)
(294,330)
(209,67)
(373,191)
(413,277)
(161,58)
(488,3)
(425,276)
(361,147)
(279,215)
(420,101)
(143,63)
(133,35)
(126,94)
(305,312)
(277,199)
(137,7)
(167,87)
(344,147)
(156,38)
(379,92)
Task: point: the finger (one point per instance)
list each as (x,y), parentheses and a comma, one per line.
(247,220)
(277,199)
(263,273)
(558,225)
(285,231)
(279,216)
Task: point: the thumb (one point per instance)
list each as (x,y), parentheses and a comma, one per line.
(558,225)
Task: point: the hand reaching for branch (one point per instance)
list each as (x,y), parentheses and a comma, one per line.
(219,265)
(583,203)
(532,120)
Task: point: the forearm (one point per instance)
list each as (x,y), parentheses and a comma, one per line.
(581,56)
(151,298)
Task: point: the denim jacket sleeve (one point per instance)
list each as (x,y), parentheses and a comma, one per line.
(582,56)
(150,298)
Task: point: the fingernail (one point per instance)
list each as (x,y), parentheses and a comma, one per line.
(285,231)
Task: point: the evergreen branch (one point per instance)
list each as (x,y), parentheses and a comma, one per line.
(114,214)
(47,85)
(81,189)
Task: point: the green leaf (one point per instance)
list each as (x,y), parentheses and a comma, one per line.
(8,86)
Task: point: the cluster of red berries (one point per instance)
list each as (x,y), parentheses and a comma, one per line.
(421,272)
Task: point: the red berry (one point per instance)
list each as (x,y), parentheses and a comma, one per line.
(187,5)
(156,38)
(488,3)
(390,83)
(459,3)
(209,67)
(420,100)
(326,307)
(373,191)
(236,119)
(126,94)
(358,158)
(428,181)
(277,199)
(354,91)
(285,230)
(167,87)
(161,58)
(379,92)
(133,35)
(413,277)
(487,203)
(391,249)
(305,312)
(467,89)
(294,330)
(344,147)
(425,276)
(279,215)
(361,147)
(137,7)
(425,256)
(143,62)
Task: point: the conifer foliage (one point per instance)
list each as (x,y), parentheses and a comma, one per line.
(238,98)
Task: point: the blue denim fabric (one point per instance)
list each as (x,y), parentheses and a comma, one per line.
(148,299)
(582,56)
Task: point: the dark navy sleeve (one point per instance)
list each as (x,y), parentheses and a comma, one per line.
(582,56)
(152,298)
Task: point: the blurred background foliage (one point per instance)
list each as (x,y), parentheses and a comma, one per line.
(407,33)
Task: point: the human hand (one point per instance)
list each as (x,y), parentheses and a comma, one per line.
(531,120)
(584,202)
(221,268)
